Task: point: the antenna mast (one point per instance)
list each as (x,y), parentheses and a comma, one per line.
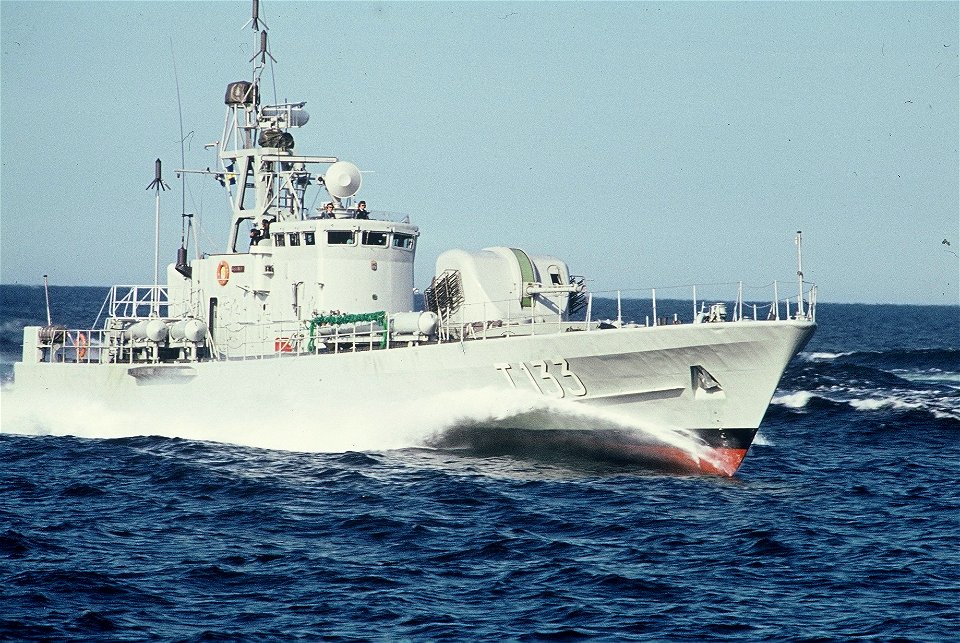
(157,184)
(256,24)
(254,21)
(46,293)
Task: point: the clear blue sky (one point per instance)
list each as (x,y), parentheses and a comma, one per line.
(647,144)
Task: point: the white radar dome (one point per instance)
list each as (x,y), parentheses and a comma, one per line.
(342,179)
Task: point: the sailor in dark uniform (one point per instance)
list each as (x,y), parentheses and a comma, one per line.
(255,235)
(362,212)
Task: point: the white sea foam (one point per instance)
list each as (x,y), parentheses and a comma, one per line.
(762,440)
(298,421)
(934,376)
(796,400)
(953,414)
(822,356)
(874,404)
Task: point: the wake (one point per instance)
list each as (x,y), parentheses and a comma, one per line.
(299,420)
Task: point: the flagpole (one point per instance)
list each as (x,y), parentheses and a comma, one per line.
(800,311)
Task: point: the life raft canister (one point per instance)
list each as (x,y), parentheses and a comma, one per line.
(223,273)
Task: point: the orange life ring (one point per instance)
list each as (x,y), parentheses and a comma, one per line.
(82,344)
(223,273)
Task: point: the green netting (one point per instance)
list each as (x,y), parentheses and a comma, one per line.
(339,320)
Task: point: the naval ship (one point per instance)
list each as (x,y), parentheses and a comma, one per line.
(324,299)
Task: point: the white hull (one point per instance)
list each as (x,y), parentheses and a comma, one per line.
(313,314)
(645,375)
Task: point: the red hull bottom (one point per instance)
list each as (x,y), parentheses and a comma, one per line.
(716,452)
(719,461)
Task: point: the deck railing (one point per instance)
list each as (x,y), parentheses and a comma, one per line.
(65,346)
(254,341)
(135,303)
(729,302)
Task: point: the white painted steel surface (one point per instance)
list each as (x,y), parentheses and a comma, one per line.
(643,374)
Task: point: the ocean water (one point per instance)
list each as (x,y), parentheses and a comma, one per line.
(844,520)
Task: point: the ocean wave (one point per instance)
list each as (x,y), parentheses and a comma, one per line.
(821,356)
(932,403)
(947,415)
(902,359)
(932,376)
(11,336)
(875,404)
(763,440)
(797,400)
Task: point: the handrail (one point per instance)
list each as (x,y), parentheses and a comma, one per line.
(252,341)
(138,302)
(458,326)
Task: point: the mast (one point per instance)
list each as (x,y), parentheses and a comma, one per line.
(264,177)
(157,184)
(46,294)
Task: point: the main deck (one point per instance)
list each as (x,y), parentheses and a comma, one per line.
(126,336)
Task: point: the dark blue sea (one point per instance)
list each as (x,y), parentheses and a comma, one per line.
(843,522)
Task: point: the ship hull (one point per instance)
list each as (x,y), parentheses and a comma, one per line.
(698,451)
(689,397)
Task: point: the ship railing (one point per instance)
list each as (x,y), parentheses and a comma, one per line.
(390,215)
(73,346)
(493,322)
(718,302)
(711,303)
(250,342)
(136,302)
(105,345)
(350,212)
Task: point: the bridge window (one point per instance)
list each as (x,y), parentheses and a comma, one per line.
(294,238)
(373,238)
(278,239)
(404,241)
(309,238)
(340,237)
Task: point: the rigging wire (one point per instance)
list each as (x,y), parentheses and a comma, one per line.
(186,221)
(183,162)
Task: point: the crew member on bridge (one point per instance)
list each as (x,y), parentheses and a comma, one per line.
(362,212)
(255,235)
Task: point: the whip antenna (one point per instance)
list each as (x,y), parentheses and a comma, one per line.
(186,220)
(183,161)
